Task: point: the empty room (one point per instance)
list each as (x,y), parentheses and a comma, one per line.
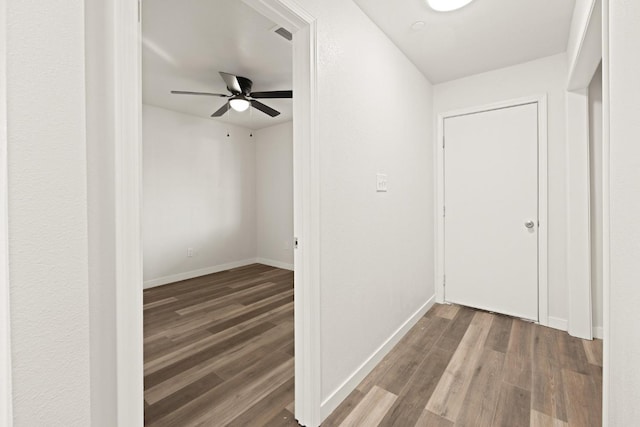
(217,212)
(343,213)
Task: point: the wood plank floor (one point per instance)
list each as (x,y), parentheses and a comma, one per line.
(219,351)
(463,367)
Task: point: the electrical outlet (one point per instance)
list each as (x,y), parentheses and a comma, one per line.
(381,183)
(190,252)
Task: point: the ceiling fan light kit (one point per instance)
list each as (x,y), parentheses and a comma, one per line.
(239,103)
(447,5)
(241,96)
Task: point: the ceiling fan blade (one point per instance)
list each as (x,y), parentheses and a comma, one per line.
(272,94)
(221,110)
(232,82)
(186,92)
(265,109)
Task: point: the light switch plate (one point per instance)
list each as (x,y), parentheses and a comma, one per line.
(381,183)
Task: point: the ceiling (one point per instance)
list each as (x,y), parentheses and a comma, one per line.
(186,42)
(483,36)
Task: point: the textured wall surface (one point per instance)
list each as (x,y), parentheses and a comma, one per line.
(377,265)
(48,213)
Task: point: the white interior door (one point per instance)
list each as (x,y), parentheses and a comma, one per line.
(491,210)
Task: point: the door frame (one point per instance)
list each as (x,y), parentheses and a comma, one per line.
(543,286)
(306,205)
(126,39)
(6,398)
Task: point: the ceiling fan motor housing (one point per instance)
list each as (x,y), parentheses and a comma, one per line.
(245,84)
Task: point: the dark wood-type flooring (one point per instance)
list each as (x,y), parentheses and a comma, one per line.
(219,351)
(463,367)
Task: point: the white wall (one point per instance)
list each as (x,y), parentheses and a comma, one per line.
(198,192)
(375,115)
(623,340)
(48,213)
(595,164)
(543,76)
(274,194)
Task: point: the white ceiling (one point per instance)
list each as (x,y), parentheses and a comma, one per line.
(483,36)
(186,42)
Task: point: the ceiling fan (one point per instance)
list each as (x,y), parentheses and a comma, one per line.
(241,96)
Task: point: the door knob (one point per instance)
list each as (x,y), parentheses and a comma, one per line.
(529,224)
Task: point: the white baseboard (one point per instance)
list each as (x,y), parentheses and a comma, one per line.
(598,332)
(273,263)
(563,325)
(557,323)
(341,393)
(196,273)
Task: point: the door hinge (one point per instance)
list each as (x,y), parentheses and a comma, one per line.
(444,280)
(444,211)
(295,243)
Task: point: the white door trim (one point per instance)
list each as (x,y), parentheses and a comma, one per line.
(541,100)
(128,206)
(6,399)
(606,215)
(578,201)
(581,70)
(128,168)
(588,54)
(306,185)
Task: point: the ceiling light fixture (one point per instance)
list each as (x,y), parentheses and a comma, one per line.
(447,5)
(239,103)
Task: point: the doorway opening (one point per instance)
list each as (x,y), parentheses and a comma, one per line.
(217,221)
(128,184)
